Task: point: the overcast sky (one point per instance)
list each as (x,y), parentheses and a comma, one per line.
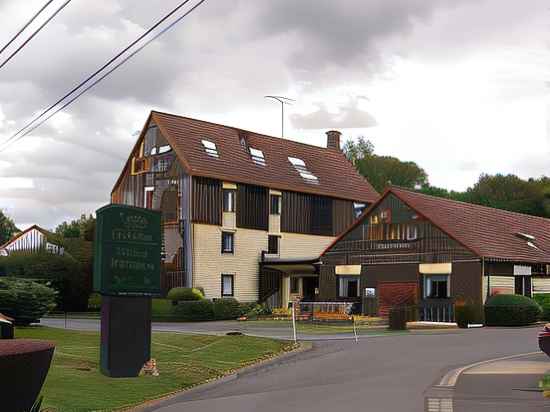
(458,86)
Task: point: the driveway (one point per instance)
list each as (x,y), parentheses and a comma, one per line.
(379,374)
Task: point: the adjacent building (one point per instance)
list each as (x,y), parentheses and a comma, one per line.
(413,248)
(34,239)
(232,200)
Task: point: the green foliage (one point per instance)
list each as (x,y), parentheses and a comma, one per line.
(191,311)
(184,294)
(94,302)
(24,300)
(543,299)
(398,318)
(83,228)
(464,314)
(65,273)
(383,170)
(204,310)
(511,310)
(228,309)
(254,310)
(7,228)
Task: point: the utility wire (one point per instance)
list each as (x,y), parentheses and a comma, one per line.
(91,76)
(11,56)
(95,82)
(25,26)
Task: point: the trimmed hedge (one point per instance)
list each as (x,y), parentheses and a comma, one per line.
(543,299)
(205,310)
(511,310)
(24,300)
(184,294)
(464,314)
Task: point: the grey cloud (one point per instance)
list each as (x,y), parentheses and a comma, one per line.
(347,117)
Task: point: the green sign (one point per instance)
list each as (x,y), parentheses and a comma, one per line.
(127,251)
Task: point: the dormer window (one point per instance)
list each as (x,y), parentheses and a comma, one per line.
(257,156)
(301,168)
(210,148)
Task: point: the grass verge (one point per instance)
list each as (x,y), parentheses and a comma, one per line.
(75,384)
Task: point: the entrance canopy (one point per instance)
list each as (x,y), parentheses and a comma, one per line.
(295,266)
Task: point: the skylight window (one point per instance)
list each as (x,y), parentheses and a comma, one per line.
(164,149)
(526,236)
(210,148)
(301,168)
(257,156)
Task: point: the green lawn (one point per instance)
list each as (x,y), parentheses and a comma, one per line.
(75,384)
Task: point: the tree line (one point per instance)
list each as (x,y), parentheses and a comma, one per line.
(510,192)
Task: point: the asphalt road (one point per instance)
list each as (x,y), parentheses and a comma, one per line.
(387,373)
(377,374)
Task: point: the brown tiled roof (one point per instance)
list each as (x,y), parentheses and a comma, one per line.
(488,232)
(337,176)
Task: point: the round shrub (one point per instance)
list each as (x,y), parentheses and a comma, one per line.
(184,294)
(24,300)
(94,302)
(193,311)
(227,309)
(543,299)
(464,314)
(511,310)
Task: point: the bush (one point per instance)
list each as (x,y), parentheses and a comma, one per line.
(253,310)
(464,314)
(24,300)
(64,273)
(94,302)
(511,310)
(192,311)
(228,309)
(543,299)
(398,318)
(184,294)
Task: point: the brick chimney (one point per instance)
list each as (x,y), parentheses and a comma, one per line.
(333,139)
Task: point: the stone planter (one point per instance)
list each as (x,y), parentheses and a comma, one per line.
(24,365)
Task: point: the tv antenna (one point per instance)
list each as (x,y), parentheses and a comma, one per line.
(283,100)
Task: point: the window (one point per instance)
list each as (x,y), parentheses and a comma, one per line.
(300,167)
(436,287)
(358,208)
(294,285)
(257,156)
(148,198)
(348,286)
(273,245)
(210,148)
(412,232)
(227,242)
(229,200)
(164,149)
(275,205)
(228,285)
(160,165)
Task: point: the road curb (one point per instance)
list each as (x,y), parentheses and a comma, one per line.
(156,403)
(450,378)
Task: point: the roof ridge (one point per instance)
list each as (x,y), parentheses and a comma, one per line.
(475,205)
(243,130)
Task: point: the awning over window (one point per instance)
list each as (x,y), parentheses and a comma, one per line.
(295,266)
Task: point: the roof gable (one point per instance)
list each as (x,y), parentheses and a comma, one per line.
(336,176)
(488,232)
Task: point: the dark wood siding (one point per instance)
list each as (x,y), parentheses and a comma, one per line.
(327,283)
(206,201)
(466,284)
(307,214)
(343,215)
(252,207)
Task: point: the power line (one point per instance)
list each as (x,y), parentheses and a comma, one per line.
(95,82)
(8,44)
(11,56)
(90,77)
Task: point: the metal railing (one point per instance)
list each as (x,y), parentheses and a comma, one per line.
(437,310)
(172,279)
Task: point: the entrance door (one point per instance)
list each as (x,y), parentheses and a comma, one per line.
(309,284)
(523,285)
(396,294)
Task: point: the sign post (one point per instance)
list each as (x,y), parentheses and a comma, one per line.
(127,274)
